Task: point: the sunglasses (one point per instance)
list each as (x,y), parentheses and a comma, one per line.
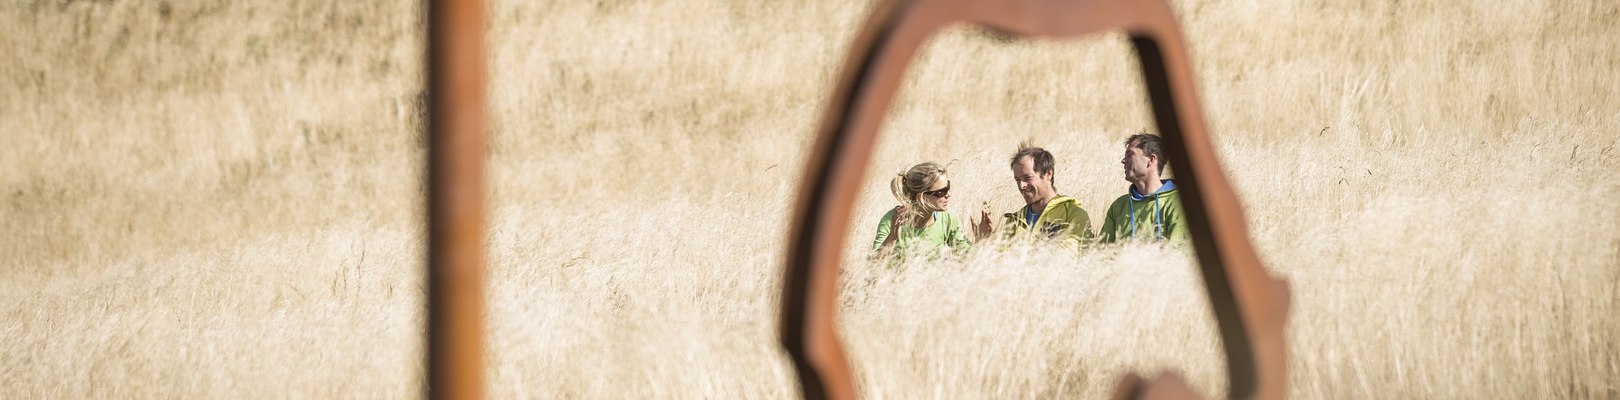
(940,193)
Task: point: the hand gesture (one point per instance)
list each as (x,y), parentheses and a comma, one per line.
(981,225)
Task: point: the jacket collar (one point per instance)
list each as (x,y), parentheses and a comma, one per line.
(1168,185)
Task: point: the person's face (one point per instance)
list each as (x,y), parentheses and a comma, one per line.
(938,195)
(1031,185)
(1139,167)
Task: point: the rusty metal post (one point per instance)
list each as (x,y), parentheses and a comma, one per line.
(1250,306)
(455,199)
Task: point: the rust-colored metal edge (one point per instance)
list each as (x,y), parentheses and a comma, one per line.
(1250,306)
(455,199)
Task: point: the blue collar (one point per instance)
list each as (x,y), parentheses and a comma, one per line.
(1168,185)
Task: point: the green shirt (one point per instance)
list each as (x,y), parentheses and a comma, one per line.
(1152,217)
(945,232)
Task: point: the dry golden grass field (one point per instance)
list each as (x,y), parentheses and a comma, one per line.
(222,199)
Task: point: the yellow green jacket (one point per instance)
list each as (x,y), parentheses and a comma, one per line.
(1151,217)
(1062,219)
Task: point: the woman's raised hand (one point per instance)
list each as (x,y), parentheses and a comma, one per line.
(981,225)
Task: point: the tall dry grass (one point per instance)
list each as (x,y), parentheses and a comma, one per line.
(218,200)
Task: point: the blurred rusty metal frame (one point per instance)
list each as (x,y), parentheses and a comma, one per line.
(455,199)
(1250,306)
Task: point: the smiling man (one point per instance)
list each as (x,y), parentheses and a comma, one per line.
(1045,214)
(1151,210)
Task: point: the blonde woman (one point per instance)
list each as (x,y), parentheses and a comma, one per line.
(920,223)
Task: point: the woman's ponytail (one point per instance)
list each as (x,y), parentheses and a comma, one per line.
(898,187)
(908,203)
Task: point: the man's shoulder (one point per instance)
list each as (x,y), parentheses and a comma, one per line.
(1065,201)
(1171,199)
(1068,206)
(1120,201)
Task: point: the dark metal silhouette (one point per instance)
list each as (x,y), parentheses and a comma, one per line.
(1250,306)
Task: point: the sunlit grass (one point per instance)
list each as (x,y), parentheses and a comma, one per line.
(222,200)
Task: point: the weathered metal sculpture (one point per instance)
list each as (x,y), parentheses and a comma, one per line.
(1250,306)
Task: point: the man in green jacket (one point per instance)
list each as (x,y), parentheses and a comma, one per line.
(1045,214)
(1152,208)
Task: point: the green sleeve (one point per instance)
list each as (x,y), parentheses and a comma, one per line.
(1109,227)
(1080,227)
(885,225)
(1176,224)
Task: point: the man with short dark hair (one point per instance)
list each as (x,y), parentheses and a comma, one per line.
(1045,214)
(1151,210)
